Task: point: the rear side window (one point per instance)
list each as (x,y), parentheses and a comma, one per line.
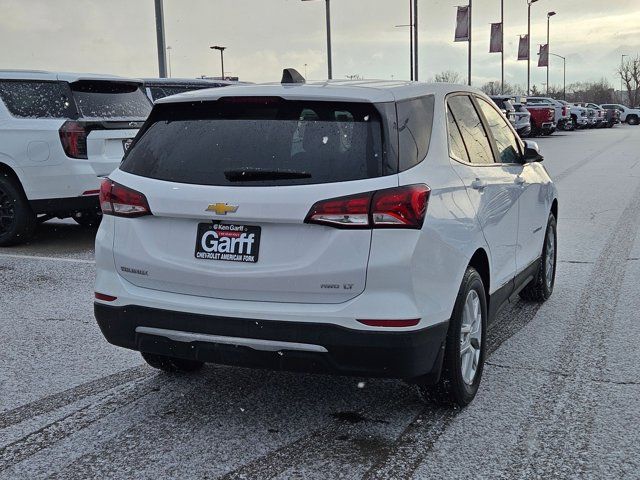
(457,149)
(473,132)
(415,120)
(36,99)
(244,141)
(113,100)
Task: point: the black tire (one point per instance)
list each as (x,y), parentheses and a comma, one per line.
(633,120)
(171,364)
(88,218)
(452,390)
(17,220)
(541,287)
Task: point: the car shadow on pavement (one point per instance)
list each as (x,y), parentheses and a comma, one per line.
(57,238)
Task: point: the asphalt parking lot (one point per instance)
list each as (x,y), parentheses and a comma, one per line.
(560,395)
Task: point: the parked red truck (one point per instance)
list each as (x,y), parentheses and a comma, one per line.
(542,119)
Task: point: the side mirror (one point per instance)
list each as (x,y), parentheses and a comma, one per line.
(531,152)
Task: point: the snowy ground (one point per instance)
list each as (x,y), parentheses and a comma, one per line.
(560,396)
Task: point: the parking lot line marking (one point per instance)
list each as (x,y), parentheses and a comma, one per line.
(39,257)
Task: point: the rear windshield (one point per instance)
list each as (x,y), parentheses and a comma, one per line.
(37,99)
(266,141)
(113,100)
(161,91)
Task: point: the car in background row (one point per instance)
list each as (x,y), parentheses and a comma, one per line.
(367,228)
(516,112)
(579,115)
(542,118)
(595,114)
(562,116)
(522,120)
(60,133)
(627,115)
(157,88)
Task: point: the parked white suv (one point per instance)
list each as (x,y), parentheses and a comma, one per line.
(627,115)
(59,133)
(368,228)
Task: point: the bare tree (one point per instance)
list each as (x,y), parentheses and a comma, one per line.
(630,73)
(448,76)
(494,88)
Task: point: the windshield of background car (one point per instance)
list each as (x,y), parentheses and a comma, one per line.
(108,99)
(161,91)
(249,141)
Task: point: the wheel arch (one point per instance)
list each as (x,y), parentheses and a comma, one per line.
(480,262)
(7,170)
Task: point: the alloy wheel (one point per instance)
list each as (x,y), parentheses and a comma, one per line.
(7,212)
(470,337)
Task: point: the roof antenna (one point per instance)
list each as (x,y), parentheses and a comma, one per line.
(291,75)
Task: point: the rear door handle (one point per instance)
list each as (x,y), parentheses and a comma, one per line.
(520,180)
(478,184)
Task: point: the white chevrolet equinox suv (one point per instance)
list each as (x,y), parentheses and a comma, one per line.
(60,132)
(367,228)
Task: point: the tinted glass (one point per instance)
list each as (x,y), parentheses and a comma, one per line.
(508,147)
(104,99)
(159,92)
(415,119)
(245,142)
(457,149)
(473,133)
(29,99)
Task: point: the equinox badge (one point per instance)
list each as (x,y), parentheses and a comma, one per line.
(222,208)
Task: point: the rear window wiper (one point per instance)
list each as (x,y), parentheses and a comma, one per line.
(257,174)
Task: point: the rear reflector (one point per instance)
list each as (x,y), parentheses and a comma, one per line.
(121,201)
(391,323)
(400,207)
(105,298)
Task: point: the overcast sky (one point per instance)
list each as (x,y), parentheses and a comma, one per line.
(264,36)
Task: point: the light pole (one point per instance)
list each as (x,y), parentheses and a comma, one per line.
(621,69)
(470,30)
(564,75)
(169,48)
(415,38)
(529,3)
(549,15)
(328,19)
(502,45)
(221,49)
(162,59)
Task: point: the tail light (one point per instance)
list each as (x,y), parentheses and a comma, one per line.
(401,207)
(565,111)
(121,201)
(73,136)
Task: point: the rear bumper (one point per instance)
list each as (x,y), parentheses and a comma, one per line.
(276,345)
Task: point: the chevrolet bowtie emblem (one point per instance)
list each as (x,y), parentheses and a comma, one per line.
(222,208)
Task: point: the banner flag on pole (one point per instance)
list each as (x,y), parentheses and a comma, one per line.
(543,58)
(495,44)
(523,48)
(462,25)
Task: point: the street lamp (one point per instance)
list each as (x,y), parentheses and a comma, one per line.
(529,3)
(169,48)
(621,84)
(221,50)
(328,19)
(564,81)
(549,15)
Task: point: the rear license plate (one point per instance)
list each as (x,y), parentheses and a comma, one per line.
(228,242)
